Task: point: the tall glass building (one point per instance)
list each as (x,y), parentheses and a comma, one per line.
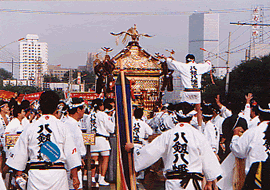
(204,33)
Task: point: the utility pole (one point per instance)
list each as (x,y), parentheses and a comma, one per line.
(69,83)
(71,79)
(38,72)
(12,68)
(227,64)
(247,55)
(257,26)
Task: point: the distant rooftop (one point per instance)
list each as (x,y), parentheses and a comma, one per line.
(56,67)
(32,37)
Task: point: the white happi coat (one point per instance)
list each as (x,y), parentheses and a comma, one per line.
(104,126)
(141,131)
(154,123)
(217,121)
(2,129)
(225,112)
(250,145)
(180,147)
(14,126)
(191,76)
(25,121)
(3,124)
(195,124)
(63,117)
(212,134)
(167,121)
(2,184)
(91,121)
(252,122)
(245,113)
(84,122)
(27,146)
(76,133)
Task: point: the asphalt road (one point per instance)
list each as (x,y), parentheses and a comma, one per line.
(158,185)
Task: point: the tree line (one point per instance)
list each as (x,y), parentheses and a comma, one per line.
(249,76)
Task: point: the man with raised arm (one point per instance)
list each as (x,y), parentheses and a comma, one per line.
(191,75)
(251,143)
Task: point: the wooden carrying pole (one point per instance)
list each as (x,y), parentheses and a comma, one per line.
(131,170)
(239,174)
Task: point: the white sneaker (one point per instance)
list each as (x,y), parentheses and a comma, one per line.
(103,182)
(99,177)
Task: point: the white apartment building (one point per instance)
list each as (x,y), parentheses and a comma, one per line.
(33,59)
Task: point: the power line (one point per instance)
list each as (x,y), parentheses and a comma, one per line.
(223,41)
(242,49)
(248,46)
(247,42)
(250,24)
(9,55)
(156,13)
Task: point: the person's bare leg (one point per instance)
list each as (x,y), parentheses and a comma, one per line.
(93,171)
(104,165)
(199,114)
(1,160)
(215,187)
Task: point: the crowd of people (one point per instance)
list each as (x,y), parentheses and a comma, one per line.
(50,152)
(189,140)
(195,137)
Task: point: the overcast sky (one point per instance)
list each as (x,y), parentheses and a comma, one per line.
(71,36)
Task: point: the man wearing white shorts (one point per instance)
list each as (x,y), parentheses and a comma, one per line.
(191,76)
(76,111)
(103,125)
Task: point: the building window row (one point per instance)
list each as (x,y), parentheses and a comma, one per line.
(31,44)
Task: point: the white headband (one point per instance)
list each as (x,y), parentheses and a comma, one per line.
(3,105)
(60,107)
(107,111)
(189,59)
(264,110)
(207,115)
(71,106)
(190,114)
